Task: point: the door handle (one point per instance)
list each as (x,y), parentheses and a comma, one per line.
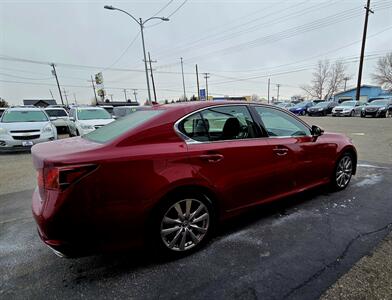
(212,158)
(281,151)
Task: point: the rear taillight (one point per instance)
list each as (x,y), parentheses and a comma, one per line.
(59,178)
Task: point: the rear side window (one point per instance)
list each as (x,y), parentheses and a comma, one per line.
(219,124)
(115,129)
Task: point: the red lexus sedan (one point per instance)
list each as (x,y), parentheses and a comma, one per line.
(166,176)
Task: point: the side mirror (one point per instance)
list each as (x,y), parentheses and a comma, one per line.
(52,118)
(115,117)
(317,131)
(72,119)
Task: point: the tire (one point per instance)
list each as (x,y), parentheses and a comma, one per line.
(343,172)
(182,225)
(352,114)
(387,114)
(303,113)
(77,133)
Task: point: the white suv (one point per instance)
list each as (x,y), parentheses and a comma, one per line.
(88,118)
(59,118)
(22,127)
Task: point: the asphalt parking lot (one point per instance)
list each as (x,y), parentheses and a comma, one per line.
(293,249)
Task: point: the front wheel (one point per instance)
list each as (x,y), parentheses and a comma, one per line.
(352,114)
(387,114)
(343,172)
(183,225)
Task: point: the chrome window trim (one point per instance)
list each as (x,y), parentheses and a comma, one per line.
(190,141)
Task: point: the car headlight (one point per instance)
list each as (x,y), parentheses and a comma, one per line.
(47,128)
(87,127)
(320,109)
(382,108)
(3,131)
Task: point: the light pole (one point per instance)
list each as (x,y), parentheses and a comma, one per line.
(141,24)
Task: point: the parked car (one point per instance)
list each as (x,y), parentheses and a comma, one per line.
(166,176)
(59,117)
(286,105)
(378,109)
(23,127)
(108,108)
(87,118)
(301,108)
(122,111)
(346,108)
(322,108)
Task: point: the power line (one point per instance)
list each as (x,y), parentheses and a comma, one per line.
(171,14)
(162,8)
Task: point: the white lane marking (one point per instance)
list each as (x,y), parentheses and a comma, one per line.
(370,166)
(358,133)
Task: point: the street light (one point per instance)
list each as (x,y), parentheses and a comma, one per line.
(141,24)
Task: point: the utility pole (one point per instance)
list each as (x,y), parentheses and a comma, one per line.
(125,95)
(152,76)
(206,76)
(269,85)
(367,8)
(345,81)
(76,102)
(197,81)
(95,94)
(183,79)
(58,84)
(65,95)
(277,96)
(135,94)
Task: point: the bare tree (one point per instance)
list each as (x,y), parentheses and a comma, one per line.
(327,80)
(255,98)
(3,103)
(383,74)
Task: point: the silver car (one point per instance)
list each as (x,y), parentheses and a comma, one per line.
(23,127)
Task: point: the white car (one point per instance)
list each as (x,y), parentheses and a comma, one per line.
(87,118)
(23,127)
(59,118)
(346,108)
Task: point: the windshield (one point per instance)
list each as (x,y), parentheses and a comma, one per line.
(56,112)
(14,116)
(321,104)
(348,103)
(117,128)
(379,103)
(93,114)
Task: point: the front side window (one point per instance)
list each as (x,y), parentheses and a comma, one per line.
(13,116)
(278,123)
(219,124)
(93,114)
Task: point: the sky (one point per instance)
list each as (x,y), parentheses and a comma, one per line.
(240,43)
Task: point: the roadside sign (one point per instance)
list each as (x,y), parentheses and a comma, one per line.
(202,94)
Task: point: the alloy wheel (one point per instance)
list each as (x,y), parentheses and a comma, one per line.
(185,224)
(344,171)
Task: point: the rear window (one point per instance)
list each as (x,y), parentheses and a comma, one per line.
(13,116)
(56,112)
(115,129)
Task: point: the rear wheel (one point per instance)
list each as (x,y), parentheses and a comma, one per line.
(343,171)
(183,225)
